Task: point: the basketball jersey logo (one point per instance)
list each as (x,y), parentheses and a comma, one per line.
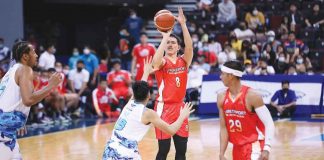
(3,84)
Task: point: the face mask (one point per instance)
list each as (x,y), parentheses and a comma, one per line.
(86,51)
(65,71)
(242,27)
(300,60)
(205,48)
(192,29)
(255,12)
(248,69)
(75,53)
(264,68)
(285,90)
(79,69)
(58,69)
(133,16)
(271,39)
(54,50)
(195,40)
(281,59)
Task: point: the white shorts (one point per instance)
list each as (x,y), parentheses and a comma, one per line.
(6,153)
(120,149)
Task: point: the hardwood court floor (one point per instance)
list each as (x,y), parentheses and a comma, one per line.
(293,141)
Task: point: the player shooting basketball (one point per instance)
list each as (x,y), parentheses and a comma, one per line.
(171,75)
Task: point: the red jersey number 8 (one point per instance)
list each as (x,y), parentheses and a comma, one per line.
(177,81)
(235,125)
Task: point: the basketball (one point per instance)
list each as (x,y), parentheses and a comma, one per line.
(164,20)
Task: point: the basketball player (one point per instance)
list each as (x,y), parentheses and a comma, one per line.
(171,75)
(244,119)
(134,121)
(17,95)
(140,52)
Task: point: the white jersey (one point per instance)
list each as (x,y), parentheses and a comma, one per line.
(13,115)
(10,96)
(129,124)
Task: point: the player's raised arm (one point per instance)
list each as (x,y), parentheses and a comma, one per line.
(158,56)
(148,68)
(256,101)
(188,50)
(223,131)
(149,116)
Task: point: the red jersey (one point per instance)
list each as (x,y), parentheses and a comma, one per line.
(243,126)
(141,52)
(118,81)
(103,98)
(172,81)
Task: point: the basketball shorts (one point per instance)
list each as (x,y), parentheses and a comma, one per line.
(250,151)
(9,151)
(119,147)
(170,113)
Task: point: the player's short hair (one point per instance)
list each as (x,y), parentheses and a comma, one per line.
(19,49)
(141,90)
(177,38)
(236,65)
(285,82)
(80,61)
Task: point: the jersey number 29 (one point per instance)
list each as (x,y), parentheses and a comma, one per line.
(235,125)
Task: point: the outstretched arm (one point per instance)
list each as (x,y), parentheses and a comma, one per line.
(188,51)
(149,116)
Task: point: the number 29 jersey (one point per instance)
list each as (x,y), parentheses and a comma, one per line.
(243,126)
(172,81)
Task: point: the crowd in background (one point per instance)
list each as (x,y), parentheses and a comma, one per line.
(221,31)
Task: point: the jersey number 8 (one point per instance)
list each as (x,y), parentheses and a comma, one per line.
(235,125)
(177,81)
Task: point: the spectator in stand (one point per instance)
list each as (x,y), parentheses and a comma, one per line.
(134,25)
(210,57)
(302,63)
(286,105)
(315,19)
(248,67)
(292,44)
(236,45)
(141,52)
(103,68)
(250,51)
(66,69)
(78,79)
(271,39)
(4,56)
(269,54)
(293,18)
(103,100)
(281,64)
(260,35)
(227,12)
(243,32)
(123,50)
(205,5)
(254,18)
(202,62)
(91,63)
(227,55)
(119,81)
(214,46)
(263,68)
(74,58)
(47,58)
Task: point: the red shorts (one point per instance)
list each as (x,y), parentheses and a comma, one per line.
(170,113)
(250,151)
